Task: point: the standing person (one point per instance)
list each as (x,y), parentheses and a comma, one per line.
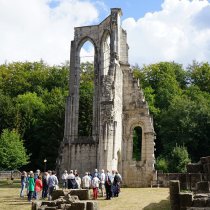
(116,184)
(112,180)
(36,174)
(64,179)
(52,184)
(38,187)
(23,183)
(86,181)
(108,185)
(90,175)
(45,184)
(95,185)
(31,185)
(72,184)
(96,173)
(78,180)
(102,182)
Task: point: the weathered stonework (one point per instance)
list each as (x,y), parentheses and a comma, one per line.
(119,106)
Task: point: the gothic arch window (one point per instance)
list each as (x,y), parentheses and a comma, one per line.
(137,143)
(105,53)
(86,87)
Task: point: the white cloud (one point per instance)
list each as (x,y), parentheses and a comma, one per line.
(179,32)
(31,29)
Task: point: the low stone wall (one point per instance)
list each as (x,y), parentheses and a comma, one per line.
(187,180)
(67,200)
(189,200)
(10,174)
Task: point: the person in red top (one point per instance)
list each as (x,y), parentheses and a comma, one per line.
(38,187)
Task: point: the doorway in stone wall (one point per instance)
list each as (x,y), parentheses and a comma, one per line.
(86,88)
(137,143)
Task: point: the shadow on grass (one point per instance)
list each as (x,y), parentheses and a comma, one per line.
(162,205)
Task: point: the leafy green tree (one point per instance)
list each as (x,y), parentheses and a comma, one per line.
(199,75)
(186,122)
(162,164)
(86,99)
(30,108)
(178,159)
(12,152)
(7,112)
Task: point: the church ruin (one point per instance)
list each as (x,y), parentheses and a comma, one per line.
(122,129)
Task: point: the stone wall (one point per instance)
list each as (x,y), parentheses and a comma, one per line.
(197,182)
(10,174)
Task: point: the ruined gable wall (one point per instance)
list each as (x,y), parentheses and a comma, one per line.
(136,113)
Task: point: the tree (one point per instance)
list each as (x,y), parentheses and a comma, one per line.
(199,75)
(178,159)
(86,90)
(161,164)
(12,152)
(187,122)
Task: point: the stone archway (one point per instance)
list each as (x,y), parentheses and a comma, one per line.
(118,105)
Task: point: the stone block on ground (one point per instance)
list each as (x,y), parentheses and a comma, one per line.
(203,187)
(51,208)
(199,202)
(67,206)
(42,207)
(49,203)
(78,206)
(71,198)
(60,201)
(174,186)
(57,193)
(201,195)
(82,194)
(208,202)
(35,205)
(185,199)
(92,206)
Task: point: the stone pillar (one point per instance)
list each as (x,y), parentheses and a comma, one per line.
(174,187)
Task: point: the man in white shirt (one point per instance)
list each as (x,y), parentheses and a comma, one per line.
(64,179)
(86,181)
(102,182)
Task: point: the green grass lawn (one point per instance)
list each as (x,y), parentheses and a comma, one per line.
(129,199)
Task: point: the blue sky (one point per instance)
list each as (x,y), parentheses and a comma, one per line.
(157,30)
(135,8)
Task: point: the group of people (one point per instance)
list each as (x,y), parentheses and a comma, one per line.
(108,183)
(41,185)
(38,185)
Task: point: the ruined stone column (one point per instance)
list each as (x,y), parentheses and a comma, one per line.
(174,187)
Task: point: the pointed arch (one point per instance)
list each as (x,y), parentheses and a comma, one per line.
(86,90)
(105,52)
